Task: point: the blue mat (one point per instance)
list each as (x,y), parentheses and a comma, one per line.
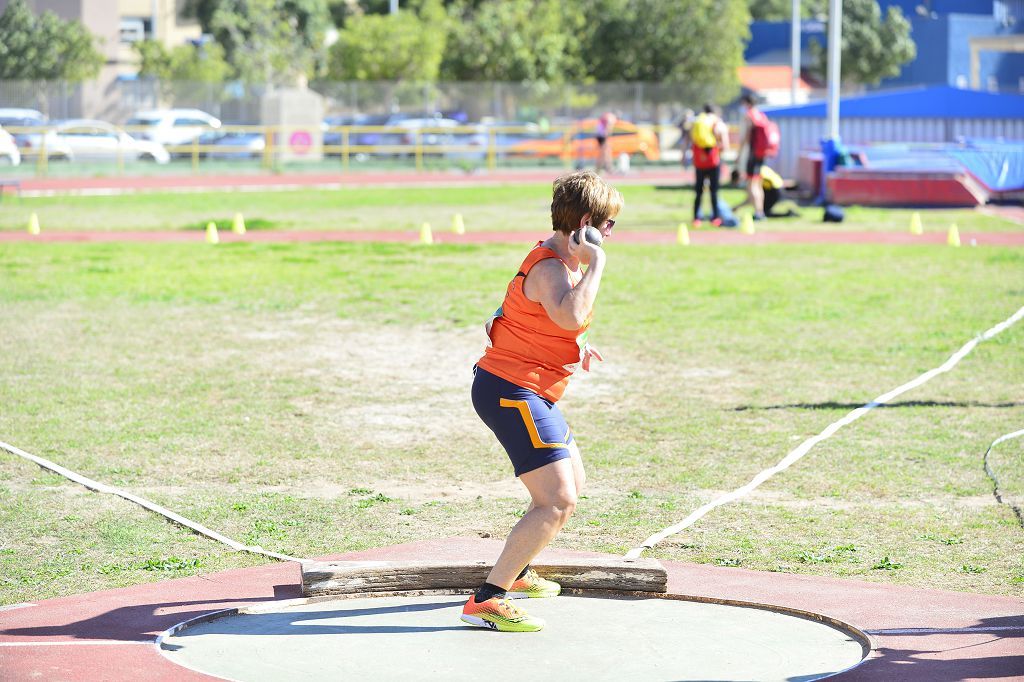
(998,165)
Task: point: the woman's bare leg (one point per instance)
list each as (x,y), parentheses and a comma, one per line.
(553,489)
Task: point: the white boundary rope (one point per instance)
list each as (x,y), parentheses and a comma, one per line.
(167,513)
(805,447)
(995,481)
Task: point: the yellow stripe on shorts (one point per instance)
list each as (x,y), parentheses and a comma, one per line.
(531,427)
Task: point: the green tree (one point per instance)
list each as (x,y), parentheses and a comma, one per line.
(689,42)
(872,48)
(341,10)
(202,11)
(179,69)
(513,40)
(782,10)
(44,47)
(267,41)
(204,64)
(407,46)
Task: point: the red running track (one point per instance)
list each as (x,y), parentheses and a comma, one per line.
(918,635)
(263,182)
(698,238)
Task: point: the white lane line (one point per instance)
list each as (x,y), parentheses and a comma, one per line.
(152,506)
(11,607)
(96,642)
(981,629)
(806,446)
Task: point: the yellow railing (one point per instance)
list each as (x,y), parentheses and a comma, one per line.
(483,144)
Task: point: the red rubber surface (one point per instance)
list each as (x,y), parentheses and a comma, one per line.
(965,637)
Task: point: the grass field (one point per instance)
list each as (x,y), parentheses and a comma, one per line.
(521,206)
(313,399)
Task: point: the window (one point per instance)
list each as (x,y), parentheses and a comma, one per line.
(133,29)
(190,122)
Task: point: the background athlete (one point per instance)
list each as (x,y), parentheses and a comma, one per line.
(538,338)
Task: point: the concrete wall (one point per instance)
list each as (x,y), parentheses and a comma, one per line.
(772,37)
(944,53)
(172,29)
(909,7)
(800,134)
(943,48)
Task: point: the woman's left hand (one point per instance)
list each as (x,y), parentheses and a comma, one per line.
(590,352)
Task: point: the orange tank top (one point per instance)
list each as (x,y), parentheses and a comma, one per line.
(526,346)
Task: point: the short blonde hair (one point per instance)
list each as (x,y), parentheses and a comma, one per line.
(576,194)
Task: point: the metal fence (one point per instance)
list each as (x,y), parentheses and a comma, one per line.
(84,146)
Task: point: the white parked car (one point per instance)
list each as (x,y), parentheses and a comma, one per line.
(171,127)
(89,139)
(9,154)
(27,126)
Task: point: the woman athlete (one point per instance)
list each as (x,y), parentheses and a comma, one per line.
(538,338)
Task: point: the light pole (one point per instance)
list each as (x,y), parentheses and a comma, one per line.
(794,49)
(835,39)
(830,145)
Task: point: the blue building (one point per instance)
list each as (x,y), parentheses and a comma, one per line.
(943,31)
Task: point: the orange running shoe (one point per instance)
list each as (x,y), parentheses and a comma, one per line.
(499,614)
(532,585)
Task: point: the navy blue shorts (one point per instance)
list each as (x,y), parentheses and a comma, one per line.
(754,164)
(530,428)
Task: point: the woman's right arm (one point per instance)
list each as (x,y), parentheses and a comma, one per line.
(568,306)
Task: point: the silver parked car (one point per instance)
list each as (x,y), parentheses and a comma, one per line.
(171,127)
(28,126)
(90,139)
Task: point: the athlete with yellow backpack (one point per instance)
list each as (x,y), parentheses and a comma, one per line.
(708,137)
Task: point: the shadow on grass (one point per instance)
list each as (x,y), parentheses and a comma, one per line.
(854,406)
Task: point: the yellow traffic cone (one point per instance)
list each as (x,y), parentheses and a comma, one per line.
(426,237)
(238,224)
(33,223)
(683,235)
(458,227)
(915,223)
(747,224)
(954,235)
(211,233)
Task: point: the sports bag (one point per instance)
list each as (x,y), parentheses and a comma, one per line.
(702,133)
